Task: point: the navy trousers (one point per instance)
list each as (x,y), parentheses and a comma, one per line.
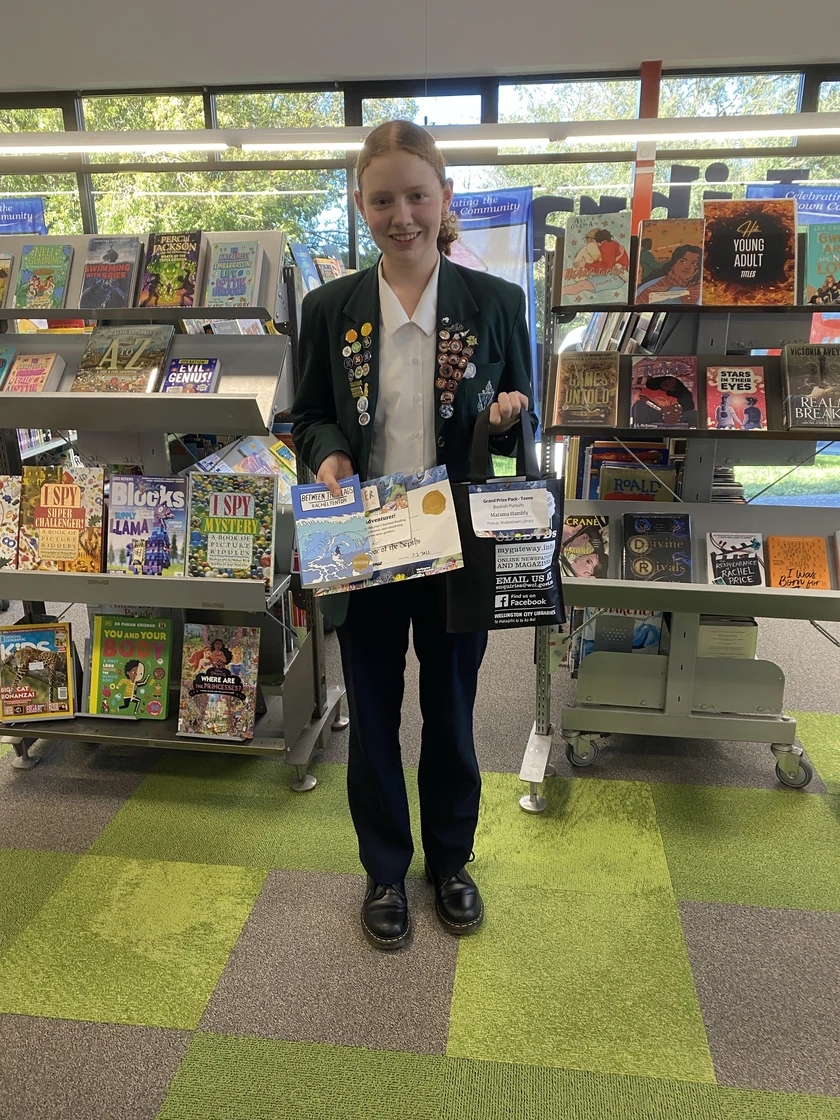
(374,642)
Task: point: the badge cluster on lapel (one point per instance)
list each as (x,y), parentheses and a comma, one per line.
(357,356)
(455,349)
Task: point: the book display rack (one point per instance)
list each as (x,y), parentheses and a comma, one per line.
(295,706)
(680,694)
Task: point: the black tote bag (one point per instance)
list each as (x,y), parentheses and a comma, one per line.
(510,583)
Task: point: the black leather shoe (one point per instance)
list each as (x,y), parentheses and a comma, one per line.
(457,901)
(385,919)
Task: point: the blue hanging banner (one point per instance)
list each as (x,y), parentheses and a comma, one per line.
(813,203)
(22,215)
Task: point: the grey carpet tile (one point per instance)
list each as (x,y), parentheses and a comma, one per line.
(811,664)
(302,971)
(64,803)
(53,1069)
(767,980)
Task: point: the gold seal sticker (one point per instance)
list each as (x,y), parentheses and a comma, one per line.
(361,562)
(366,329)
(434,502)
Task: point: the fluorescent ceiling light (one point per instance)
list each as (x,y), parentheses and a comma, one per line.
(493,142)
(306,146)
(107,149)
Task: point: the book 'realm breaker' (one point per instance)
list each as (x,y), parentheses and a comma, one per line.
(812,385)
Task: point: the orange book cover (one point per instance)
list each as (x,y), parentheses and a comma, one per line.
(798,562)
(750,252)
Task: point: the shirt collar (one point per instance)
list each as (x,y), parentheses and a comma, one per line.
(393,313)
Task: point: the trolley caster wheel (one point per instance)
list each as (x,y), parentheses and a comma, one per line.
(581,760)
(800,779)
(304,784)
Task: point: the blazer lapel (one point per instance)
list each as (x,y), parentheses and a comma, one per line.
(362,310)
(456,313)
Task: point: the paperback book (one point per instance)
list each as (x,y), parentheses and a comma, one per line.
(650,452)
(123,360)
(61,519)
(171,271)
(6,262)
(231,526)
(233,274)
(129,675)
(657,548)
(736,559)
(9,519)
(822,264)
(735,398)
(585,547)
(110,276)
(811,385)
(663,393)
(147,525)
(750,251)
(219,681)
(627,482)
(42,278)
(34,373)
(7,357)
(192,375)
(798,562)
(586,389)
(596,261)
(333,542)
(670,264)
(36,672)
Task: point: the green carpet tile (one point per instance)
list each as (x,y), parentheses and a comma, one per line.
(128,941)
(741,1104)
(593,836)
(820,736)
(226,809)
(755,847)
(586,981)
(27,879)
(227,1078)
(5,748)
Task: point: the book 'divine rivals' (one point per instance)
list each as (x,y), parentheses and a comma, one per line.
(173,261)
(750,251)
(36,672)
(587,389)
(123,360)
(233,274)
(42,277)
(219,681)
(596,261)
(147,525)
(812,385)
(110,275)
(231,526)
(657,547)
(61,519)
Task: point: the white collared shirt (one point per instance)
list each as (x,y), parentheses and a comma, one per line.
(404,422)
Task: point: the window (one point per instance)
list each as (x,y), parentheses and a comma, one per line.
(279,109)
(444,110)
(62,209)
(132,112)
(829,97)
(571,101)
(31,120)
(730,95)
(686,185)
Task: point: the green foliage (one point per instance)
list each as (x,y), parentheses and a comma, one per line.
(823,477)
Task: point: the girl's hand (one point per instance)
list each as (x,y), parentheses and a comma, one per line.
(333,468)
(505,410)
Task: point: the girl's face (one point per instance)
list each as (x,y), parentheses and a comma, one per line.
(402,200)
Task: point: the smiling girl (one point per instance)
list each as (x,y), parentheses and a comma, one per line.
(396,363)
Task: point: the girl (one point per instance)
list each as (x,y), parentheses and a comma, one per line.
(396,363)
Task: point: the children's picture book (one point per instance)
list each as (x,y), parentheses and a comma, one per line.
(9,519)
(663,393)
(333,542)
(749,251)
(6,262)
(110,276)
(61,519)
(585,547)
(171,271)
(36,672)
(822,264)
(736,559)
(231,526)
(219,681)
(596,261)
(798,562)
(147,525)
(7,357)
(42,277)
(735,398)
(123,360)
(629,482)
(586,389)
(670,264)
(811,385)
(192,375)
(233,274)
(129,674)
(657,547)
(303,259)
(34,373)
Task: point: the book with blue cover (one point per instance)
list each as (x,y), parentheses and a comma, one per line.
(192,375)
(657,548)
(7,357)
(110,276)
(332,535)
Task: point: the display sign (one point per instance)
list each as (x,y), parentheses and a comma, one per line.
(813,203)
(22,215)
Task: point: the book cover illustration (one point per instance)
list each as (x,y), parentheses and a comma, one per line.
(42,279)
(219,681)
(822,264)
(596,262)
(130,667)
(171,271)
(231,526)
(7,357)
(657,548)
(36,672)
(825,327)
(586,389)
(332,536)
(585,547)
(798,562)
(34,373)
(233,274)
(147,525)
(192,375)
(750,251)
(663,393)
(110,275)
(670,265)
(628,482)
(735,398)
(303,259)
(9,519)
(123,359)
(650,452)
(6,262)
(736,559)
(812,385)
(61,519)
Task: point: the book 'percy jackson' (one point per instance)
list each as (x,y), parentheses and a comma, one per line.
(171,271)
(750,251)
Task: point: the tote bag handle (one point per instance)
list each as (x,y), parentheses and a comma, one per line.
(526,450)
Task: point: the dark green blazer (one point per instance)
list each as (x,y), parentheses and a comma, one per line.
(324,412)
